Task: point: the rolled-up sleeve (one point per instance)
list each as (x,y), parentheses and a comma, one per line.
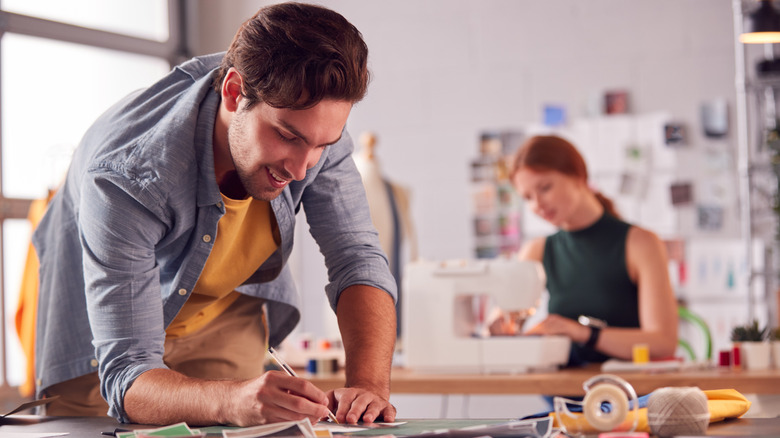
(340,222)
(119,231)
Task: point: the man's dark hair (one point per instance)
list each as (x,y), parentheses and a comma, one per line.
(294,55)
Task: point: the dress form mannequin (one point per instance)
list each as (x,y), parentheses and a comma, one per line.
(379,201)
(389,206)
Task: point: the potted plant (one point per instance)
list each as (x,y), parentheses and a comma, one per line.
(752,342)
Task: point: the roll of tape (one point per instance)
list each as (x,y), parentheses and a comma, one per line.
(605,419)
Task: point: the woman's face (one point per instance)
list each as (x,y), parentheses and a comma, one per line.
(551,195)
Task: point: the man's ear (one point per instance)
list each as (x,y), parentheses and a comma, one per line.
(231,89)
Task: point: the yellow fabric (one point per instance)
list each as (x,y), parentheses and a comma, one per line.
(27,305)
(722,404)
(245,239)
(726,403)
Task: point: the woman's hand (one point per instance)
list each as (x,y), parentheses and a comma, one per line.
(559,325)
(507,323)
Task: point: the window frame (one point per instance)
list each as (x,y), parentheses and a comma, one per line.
(174,50)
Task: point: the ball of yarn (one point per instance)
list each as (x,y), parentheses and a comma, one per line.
(678,411)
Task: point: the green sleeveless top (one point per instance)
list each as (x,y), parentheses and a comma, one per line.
(587,275)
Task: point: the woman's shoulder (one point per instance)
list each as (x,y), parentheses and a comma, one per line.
(642,236)
(533,249)
(642,244)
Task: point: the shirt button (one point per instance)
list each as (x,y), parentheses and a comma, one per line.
(206,238)
(219,204)
(38,382)
(182,292)
(94,363)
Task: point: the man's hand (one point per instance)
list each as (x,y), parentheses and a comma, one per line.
(351,405)
(275,397)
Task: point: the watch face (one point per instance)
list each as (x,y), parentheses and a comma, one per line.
(591,321)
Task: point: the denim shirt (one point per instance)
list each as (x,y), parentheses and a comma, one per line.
(124,240)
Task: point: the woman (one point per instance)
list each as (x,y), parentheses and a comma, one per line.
(596,264)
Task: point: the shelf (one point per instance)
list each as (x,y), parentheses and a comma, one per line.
(762,82)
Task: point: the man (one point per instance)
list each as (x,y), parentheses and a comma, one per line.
(164,252)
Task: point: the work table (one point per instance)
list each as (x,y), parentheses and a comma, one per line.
(567,381)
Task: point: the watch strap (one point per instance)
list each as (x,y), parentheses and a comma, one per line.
(594,337)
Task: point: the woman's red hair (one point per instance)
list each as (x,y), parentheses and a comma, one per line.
(544,153)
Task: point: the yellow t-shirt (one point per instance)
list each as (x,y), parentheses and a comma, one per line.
(245,239)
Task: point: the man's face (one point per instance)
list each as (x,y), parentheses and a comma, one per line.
(271,146)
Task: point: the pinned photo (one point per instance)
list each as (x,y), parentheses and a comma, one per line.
(715,118)
(710,217)
(616,102)
(554,115)
(674,134)
(681,193)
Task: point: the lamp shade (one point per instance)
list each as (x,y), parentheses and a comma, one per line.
(764,25)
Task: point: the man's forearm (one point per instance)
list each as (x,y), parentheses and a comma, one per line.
(163,396)
(367,321)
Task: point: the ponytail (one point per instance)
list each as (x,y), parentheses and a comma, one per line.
(607,203)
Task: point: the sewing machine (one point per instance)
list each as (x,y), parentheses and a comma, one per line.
(446,312)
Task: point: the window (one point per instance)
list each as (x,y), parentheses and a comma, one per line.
(47,106)
(139,18)
(62,63)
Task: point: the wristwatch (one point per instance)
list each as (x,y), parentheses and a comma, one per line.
(595,325)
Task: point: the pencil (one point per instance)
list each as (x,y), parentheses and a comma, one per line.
(290,372)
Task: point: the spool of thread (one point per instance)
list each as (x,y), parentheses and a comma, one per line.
(678,411)
(736,358)
(641,353)
(322,367)
(724,360)
(311,366)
